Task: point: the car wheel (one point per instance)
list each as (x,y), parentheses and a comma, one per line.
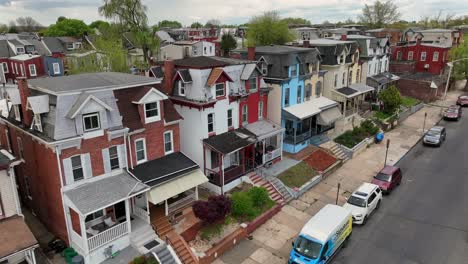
(365,220)
(378,205)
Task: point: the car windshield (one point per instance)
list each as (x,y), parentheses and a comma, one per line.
(383,177)
(451,110)
(433,133)
(464,97)
(307,248)
(357,201)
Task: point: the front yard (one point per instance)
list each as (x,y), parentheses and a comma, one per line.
(298,175)
(353,137)
(410,101)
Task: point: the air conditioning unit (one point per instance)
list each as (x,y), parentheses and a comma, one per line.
(426,66)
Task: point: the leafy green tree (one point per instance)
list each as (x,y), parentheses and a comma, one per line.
(61,18)
(196,25)
(99,24)
(169,24)
(460,68)
(3,28)
(268,29)
(391,99)
(228,43)
(213,23)
(379,14)
(296,21)
(67,28)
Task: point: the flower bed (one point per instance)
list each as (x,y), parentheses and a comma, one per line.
(297,175)
(353,137)
(320,160)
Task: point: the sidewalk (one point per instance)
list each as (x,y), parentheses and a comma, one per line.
(271,242)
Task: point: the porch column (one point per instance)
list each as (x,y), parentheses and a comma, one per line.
(221,167)
(204,160)
(263,150)
(127,215)
(281,144)
(344,108)
(196,193)
(147,208)
(166,208)
(243,160)
(84,235)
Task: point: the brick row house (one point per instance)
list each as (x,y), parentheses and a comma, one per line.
(224,105)
(101,152)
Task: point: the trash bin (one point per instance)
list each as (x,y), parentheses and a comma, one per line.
(78,259)
(379,137)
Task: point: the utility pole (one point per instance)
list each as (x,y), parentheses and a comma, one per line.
(424,124)
(386,152)
(337,193)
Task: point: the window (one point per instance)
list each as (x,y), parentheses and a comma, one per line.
(318,89)
(214,159)
(299,94)
(380,67)
(181,88)
(229,117)
(140,150)
(260,110)
(16,68)
(343,79)
(370,68)
(399,55)
(253,84)
(27,187)
(245,114)
(152,111)
(293,70)
(435,56)
(350,77)
(20,148)
(32,70)
(211,123)
(20,50)
(410,55)
(37,124)
(204,50)
(336,80)
(308,91)
(56,67)
(358,75)
(378,190)
(423,56)
(168,142)
(286,97)
(114,158)
(77,168)
(5,67)
(91,122)
(70,46)
(220,89)
(22,69)
(95,215)
(264,68)
(371,198)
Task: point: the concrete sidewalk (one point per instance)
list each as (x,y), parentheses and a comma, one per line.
(271,243)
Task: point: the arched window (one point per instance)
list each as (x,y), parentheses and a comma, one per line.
(318,89)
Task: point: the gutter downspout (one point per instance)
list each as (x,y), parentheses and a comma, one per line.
(129,148)
(61,194)
(14,186)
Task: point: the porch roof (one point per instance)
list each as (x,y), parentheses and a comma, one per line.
(310,108)
(329,116)
(354,90)
(167,168)
(230,141)
(16,236)
(384,78)
(264,128)
(98,194)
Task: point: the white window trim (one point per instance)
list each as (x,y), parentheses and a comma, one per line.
(22,69)
(260,110)
(56,70)
(224,90)
(32,66)
(172,142)
(152,118)
(118,158)
(182,86)
(37,124)
(410,58)
(82,169)
(5,67)
(208,123)
(232,118)
(425,56)
(144,149)
(245,111)
(256,84)
(98,119)
(17,113)
(434,57)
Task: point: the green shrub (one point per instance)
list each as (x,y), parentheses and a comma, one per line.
(369,127)
(207,232)
(242,205)
(259,196)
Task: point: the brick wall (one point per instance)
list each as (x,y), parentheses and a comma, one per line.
(418,89)
(399,67)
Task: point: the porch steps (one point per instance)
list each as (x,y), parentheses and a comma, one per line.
(162,226)
(181,248)
(281,188)
(274,194)
(164,255)
(142,236)
(338,152)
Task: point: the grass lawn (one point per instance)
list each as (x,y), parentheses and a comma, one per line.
(410,101)
(298,175)
(382,115)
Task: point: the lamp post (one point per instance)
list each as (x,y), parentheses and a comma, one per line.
(386,152)
(424,124)
(451,64)
(337,193)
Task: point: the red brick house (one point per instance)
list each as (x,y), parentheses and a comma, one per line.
(98,151)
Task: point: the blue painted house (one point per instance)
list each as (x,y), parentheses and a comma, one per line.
(53,66)
(295,100)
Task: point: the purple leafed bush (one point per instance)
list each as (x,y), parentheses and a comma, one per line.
(213,210)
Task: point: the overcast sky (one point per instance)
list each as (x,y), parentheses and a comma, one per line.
(228,12)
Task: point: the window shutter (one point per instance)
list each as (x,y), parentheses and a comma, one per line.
(122,156)
(86,163)
(106,160)
(68,171)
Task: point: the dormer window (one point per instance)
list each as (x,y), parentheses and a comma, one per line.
(181,88)
(32,70)
(20,50)
(70,46)
(264,68)
(91,122)
(220,90)
(152,112)
(253,84)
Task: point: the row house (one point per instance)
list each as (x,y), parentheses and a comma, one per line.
(439,36)
(183,49)
(296,100)
(101,154)
(343,80)
(224,104)
(18,243)
(393,35)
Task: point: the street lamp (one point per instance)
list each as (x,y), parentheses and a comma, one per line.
(451,64)
(386,152)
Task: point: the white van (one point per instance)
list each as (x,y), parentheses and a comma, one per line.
(322,236)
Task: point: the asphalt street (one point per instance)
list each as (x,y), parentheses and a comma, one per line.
(425,220)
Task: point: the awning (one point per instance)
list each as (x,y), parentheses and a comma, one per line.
(329,116)
(264,129)
(354,90)
(310,108)
(230,141)
(177,186)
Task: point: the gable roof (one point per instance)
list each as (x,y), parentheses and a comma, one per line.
(140,97)
(170,113)
(82,100)
(53,44)
(157,71)
(184,75)
(215,75)
(5,50)
(13,95)
(247,71)
(16,236)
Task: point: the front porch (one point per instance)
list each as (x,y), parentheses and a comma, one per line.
(354,99)
(269,144)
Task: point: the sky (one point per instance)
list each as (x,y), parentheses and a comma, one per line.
(228,12)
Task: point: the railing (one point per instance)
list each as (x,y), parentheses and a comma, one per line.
(230,175)
(181,203)
(107,236)
(271,155)
(141,213)
(291,139)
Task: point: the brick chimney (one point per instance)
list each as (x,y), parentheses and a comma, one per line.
(344,37)
(169,69)
(306,43)
(251,53)
(24,94)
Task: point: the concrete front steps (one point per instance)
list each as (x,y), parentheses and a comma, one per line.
(141,237)
(274,194)
(164,255)
(182,249)
(338,152)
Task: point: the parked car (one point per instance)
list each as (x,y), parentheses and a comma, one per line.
(462,100)
(388,178)
(454,112)
(363,202)
(435,136)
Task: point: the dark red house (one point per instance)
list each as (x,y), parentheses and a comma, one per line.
(27,65)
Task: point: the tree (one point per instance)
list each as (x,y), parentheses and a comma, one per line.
(28,24)
(12,27)
(61,18)
(67,27)
(460,68)
(213,23)
(169,24)
(228,43)
(268,29)
(379,14)
(196,25)
(213,210)
(3,28)
(391,99)
(99,24)
(296,21)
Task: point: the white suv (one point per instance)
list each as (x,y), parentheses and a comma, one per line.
(363,202)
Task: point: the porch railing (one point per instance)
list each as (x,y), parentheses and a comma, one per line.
(271,155)
(296,139)
(141,213)
(230,175)
(107,236)
(181,203)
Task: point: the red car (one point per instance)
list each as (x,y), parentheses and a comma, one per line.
(388,178)
(453,112)
(462,100)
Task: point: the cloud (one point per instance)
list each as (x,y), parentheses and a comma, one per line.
(229,12)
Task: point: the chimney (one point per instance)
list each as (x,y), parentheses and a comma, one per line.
(418,41)
(169,69)
(344,37)
(306,43)
(24,94)
(251,53)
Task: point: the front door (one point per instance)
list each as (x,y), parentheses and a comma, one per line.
(119,211)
